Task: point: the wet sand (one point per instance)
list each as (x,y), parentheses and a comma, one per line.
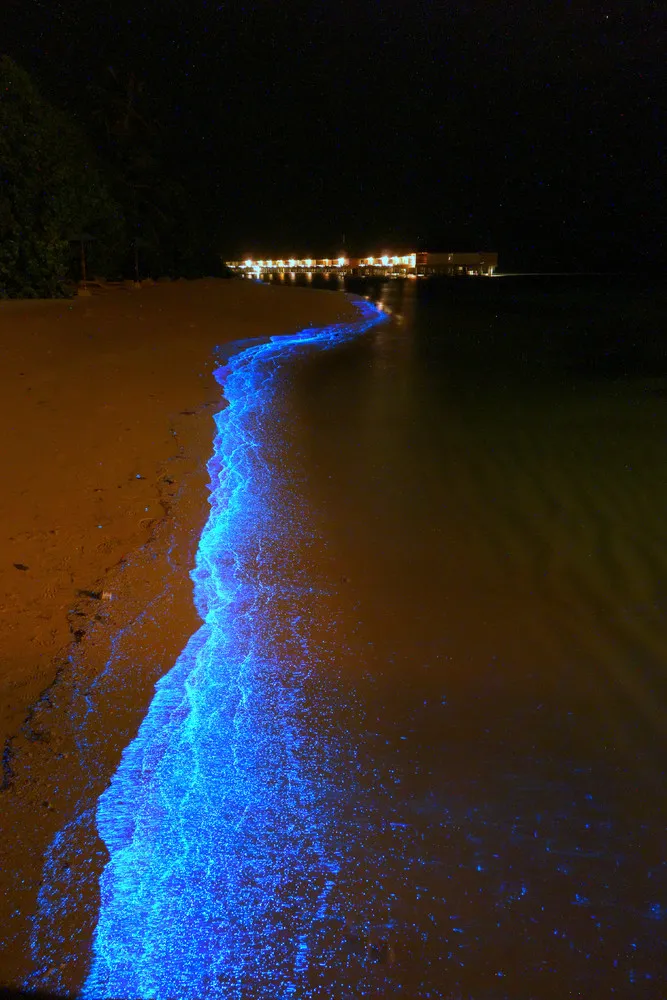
(106,411)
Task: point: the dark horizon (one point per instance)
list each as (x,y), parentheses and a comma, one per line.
(536,133)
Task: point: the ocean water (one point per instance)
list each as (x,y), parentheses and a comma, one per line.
(488,473)
(417,748)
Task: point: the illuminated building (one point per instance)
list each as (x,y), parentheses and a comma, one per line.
(464,264)
(421,264)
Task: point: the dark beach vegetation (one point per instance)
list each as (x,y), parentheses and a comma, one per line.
(90,189)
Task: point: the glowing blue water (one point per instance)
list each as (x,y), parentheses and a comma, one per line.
(221,852)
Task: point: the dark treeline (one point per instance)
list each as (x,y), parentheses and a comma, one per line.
(99,178)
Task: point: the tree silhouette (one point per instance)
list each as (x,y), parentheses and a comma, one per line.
(52,189)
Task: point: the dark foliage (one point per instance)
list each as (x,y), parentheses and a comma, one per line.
(52,192)
(165,225)
(108,184)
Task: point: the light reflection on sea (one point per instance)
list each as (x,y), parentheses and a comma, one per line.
(489,475)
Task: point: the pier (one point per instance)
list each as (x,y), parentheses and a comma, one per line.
(480,263)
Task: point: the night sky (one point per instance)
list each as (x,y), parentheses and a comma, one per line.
(533,128)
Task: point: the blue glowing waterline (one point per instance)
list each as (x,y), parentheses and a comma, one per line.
(221,853)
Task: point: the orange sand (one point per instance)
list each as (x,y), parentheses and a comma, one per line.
(106,410)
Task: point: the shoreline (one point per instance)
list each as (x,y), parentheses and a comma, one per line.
(116,647)
(225,681)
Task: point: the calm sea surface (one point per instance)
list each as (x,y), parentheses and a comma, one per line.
(417,747)
(487,473)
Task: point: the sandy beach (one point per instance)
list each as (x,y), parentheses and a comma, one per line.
(107,407)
